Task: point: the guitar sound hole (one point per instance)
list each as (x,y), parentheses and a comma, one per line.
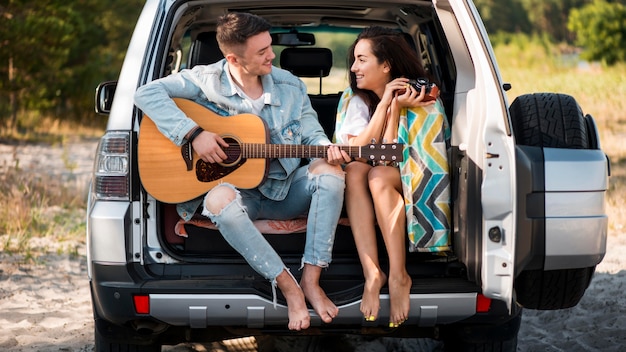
(233,152)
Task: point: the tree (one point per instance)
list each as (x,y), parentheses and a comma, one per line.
(34,46)
(503,16)
(98,53)
(54,52)
(600,29)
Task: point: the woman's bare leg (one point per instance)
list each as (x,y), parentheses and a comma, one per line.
(362,221)
(386,189)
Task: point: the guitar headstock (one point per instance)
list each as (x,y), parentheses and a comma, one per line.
(389,152)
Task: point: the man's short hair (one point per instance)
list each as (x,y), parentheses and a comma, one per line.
(234,29)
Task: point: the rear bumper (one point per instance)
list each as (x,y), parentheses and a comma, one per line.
(243,303)
(255,312)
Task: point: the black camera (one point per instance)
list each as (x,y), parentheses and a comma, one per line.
(431,90)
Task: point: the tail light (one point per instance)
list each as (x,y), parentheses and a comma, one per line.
(142,304)
(482,303)
(111,167)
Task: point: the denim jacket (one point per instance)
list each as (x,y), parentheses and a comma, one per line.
(288,114)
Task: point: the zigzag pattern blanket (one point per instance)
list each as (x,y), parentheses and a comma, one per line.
(425,132)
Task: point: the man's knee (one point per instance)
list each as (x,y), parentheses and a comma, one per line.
(320,166)
(219,197)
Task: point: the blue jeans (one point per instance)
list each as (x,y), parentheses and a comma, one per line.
(317,196)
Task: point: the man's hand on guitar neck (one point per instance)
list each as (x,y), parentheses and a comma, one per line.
(208,146)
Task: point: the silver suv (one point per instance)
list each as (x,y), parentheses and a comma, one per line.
(528,190)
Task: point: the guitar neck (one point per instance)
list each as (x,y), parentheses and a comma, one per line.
(253,151)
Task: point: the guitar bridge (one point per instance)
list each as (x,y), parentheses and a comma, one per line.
(186,150)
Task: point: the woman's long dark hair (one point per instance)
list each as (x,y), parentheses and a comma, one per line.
(387,45)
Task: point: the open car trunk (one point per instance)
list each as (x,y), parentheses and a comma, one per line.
(204,252)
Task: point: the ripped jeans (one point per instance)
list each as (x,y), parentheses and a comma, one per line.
(317,196)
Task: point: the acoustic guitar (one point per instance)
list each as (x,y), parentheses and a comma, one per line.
(173,174)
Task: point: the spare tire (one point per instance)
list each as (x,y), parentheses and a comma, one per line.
(551,120)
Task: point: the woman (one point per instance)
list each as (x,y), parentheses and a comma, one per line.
(381,64)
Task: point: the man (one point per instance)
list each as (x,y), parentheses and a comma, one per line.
(246,82)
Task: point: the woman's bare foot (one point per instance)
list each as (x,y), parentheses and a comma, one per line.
(298,312)
(399,290)
(370,304)
(322,305)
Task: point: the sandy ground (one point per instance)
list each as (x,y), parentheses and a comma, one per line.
(46,306)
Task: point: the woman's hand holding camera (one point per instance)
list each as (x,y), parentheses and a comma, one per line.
(408,96)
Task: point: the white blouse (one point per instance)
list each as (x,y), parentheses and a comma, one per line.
(356,119)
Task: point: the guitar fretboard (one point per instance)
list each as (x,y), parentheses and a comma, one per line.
(253,150)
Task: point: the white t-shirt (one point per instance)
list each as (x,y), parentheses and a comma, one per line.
(356,119)
(255,105)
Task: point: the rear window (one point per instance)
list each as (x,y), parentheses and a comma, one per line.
(338,40)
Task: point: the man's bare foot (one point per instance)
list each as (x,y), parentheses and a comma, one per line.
(298,312)
(370,304)
(322,305)
(399,290)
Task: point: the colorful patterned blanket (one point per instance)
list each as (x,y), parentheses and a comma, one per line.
(425,132)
